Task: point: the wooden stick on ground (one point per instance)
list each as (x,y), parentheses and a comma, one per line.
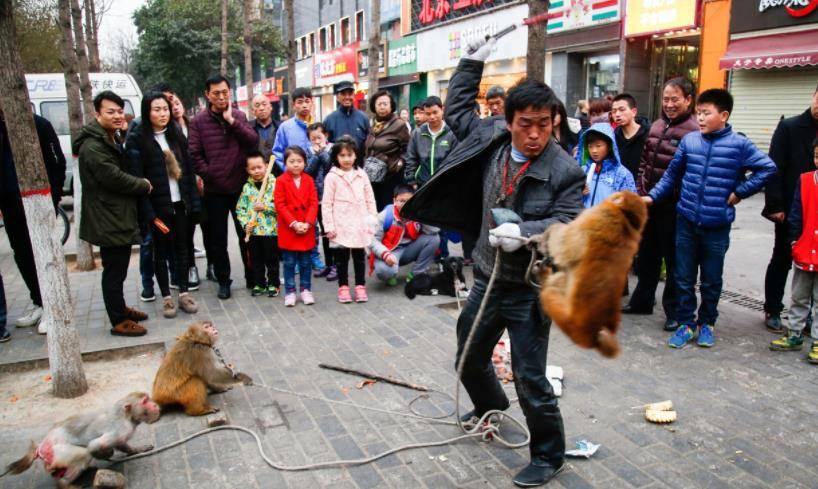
(366,375)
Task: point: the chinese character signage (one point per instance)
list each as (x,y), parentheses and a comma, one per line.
(644,17)
(564,15)
(337,65)
(426,13)
(756,15)
(403,56)
(363,62)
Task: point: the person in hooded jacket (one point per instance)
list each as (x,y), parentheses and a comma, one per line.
(599,159)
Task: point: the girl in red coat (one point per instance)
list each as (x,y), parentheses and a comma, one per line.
(296,202)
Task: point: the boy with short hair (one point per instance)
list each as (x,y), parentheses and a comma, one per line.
(599,158)
(630,135)
(709,166)
(803,221)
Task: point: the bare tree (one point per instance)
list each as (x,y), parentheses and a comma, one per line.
(64,356)
(535,59)
(289,11)
(374,46)
(225,12)
(91,35)
(123,52)
(82,61)
(248,49)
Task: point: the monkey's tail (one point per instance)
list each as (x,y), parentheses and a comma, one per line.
(607,343)
(23,464)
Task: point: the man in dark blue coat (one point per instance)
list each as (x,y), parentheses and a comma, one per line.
(347,120)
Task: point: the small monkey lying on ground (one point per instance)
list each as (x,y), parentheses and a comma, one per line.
(71,445)
(592,256)
(192,367)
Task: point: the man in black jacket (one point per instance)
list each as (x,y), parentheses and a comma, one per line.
(791,150)
(630,134)
(513,163)
(11,205)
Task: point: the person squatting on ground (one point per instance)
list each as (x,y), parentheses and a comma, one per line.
(517,166)
(156,150)
(709,167)
(599,159)
(297,207)
(803,227)
(349,210)
(258,217)
(220,137)
(109,206)
(399,241)
(318,165)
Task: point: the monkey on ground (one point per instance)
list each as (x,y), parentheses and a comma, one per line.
(71,445)
(592,256)
(190,368)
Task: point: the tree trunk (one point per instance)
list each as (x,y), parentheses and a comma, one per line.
(374,47)
(225,12)
(82,61)
(289,10)
(91,36)
(85,253)
(64,356)
(535,59)
(248,52)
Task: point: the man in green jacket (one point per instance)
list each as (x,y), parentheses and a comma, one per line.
(109,203)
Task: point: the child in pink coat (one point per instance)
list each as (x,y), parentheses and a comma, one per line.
(348,208)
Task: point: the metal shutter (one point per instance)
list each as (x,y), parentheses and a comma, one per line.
(762,96)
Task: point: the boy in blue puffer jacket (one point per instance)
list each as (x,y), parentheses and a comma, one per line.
(599,159)
(710,166)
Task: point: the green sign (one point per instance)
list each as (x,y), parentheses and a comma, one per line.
(403,56)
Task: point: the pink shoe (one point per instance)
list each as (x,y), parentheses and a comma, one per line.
(289,299)
(343,294)
(307,298)
(360,293)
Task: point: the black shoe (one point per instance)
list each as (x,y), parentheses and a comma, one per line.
(5,336)
(465,418)
(211,273)
(632,310)
(670,325)
(224,290)
(147,295)
(537,473)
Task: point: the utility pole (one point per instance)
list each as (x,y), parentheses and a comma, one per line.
(374,46)
(223,66)
(64,357)
(289,11)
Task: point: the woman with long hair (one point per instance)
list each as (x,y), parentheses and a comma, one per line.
(562,130)
(387,142)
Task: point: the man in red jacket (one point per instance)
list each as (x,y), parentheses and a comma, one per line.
(220,138)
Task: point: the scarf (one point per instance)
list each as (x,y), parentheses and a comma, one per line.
(379,124)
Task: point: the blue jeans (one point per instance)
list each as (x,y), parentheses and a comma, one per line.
(699,250)
(146,258)
(303,261)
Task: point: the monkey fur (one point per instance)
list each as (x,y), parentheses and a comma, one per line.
(592,256)
(190,368)
(71,445)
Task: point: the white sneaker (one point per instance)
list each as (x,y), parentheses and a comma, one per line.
(42,328)
(30,318)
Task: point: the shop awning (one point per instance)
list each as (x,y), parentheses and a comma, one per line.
(394,81)
(774,51)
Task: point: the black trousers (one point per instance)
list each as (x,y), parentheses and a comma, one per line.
(14,218)
(264,258)
(516,308)
(658,243)
(115,261)
(329,256)
(218,207)
(173,244)
(469,243)
(779,267)
(358,263)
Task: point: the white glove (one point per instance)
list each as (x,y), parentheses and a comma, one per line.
(506,236)
(480,48)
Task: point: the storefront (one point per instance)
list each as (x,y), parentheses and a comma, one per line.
(773,61)
(273,88)
(303,77)
(662,41)
(404,82)
(329,68)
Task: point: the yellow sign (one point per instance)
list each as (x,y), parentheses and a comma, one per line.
(649,16)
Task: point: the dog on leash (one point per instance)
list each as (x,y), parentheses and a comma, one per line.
(440,281)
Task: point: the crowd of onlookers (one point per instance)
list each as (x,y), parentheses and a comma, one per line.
(310,196)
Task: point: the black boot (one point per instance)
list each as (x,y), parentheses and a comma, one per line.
(224,290)
(537,473)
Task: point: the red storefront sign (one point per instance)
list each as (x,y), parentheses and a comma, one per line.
(774,51)
(337,65)
(429,12)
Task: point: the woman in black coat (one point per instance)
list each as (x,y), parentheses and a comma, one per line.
(157,150)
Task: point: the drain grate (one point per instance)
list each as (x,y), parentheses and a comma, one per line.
(742,300)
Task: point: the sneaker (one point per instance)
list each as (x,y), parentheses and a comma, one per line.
(812,356)
(317,264)
(322,273)
(791,341)
(224,290)
(193,279)
(706,337)
(258,290)
(174,286)
(42,328)
(272,291)
(392,281)
(307,298)
(360,293)
(199,253)
(30,318)
(128,328)
(211,273)
(135,315)
(539,472)
(168,307)
(188,304)
(670,325)
(343,294)
(147,296)
(5,336)
(332,275)
(681,337)
(289,299)
(773,323)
